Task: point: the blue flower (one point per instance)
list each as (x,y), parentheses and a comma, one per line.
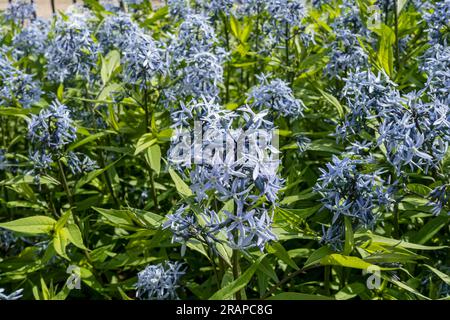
(32,40)
(438,22)
(276,95)
(20,10)
(71,50)
(348,192)
(117,32)
(142,60)
(80,163)
(439,198)
(53,128)
(159,282)
(17,86)
(179,9)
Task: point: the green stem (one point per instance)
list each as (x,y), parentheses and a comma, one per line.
(147,129)
(236,271)
(65,184)
(227,42)
(397,47)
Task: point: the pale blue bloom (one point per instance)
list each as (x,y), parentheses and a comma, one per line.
(346,191)
(275,95)
(32,40)
(71,51)
(117,32)
(20,10)
(159,282)
(17,86)
(80,163)
(142,60)
(53,128)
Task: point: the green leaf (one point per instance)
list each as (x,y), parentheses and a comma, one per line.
(317,255)
(280,252)
(444,277)
(181,186)
(75,237)
(336,259)
(106,92)
(63,220)
(60,242)
(349,239)
(60,92)
(144,142)
(430,229)
(398,243)
(109,64)
(234,24)
(386,50)
(419,188)
(118,218)
(404,286)
(31,225)
(333,101)
(88,139)
(350,291)
(153,157)
(238,284)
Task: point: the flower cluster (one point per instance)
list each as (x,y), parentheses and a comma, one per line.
(159,282)
(195,61)
(215,7)
(233,159)
(117,32)
(416,135)
(368,96)
(71,50)
(49,132)
(436,65)
(346,53)
(20,10)
(142,60)
(275,95)
(80,163)
(32,40)
(348,192)
(7,239)
(17,86)
(438,22)
(439,198)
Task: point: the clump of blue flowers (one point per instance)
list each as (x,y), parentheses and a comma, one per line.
(20,10)
(159,282)
(71,50)
(275,95)
(117,32)
(348,192)
(17,86)
(32,40)
(142,60)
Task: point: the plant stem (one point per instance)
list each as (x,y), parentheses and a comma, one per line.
(283,281)
(236,271)
(286,48)
(397,47)
(149,114)
(227,43)
(65,184)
